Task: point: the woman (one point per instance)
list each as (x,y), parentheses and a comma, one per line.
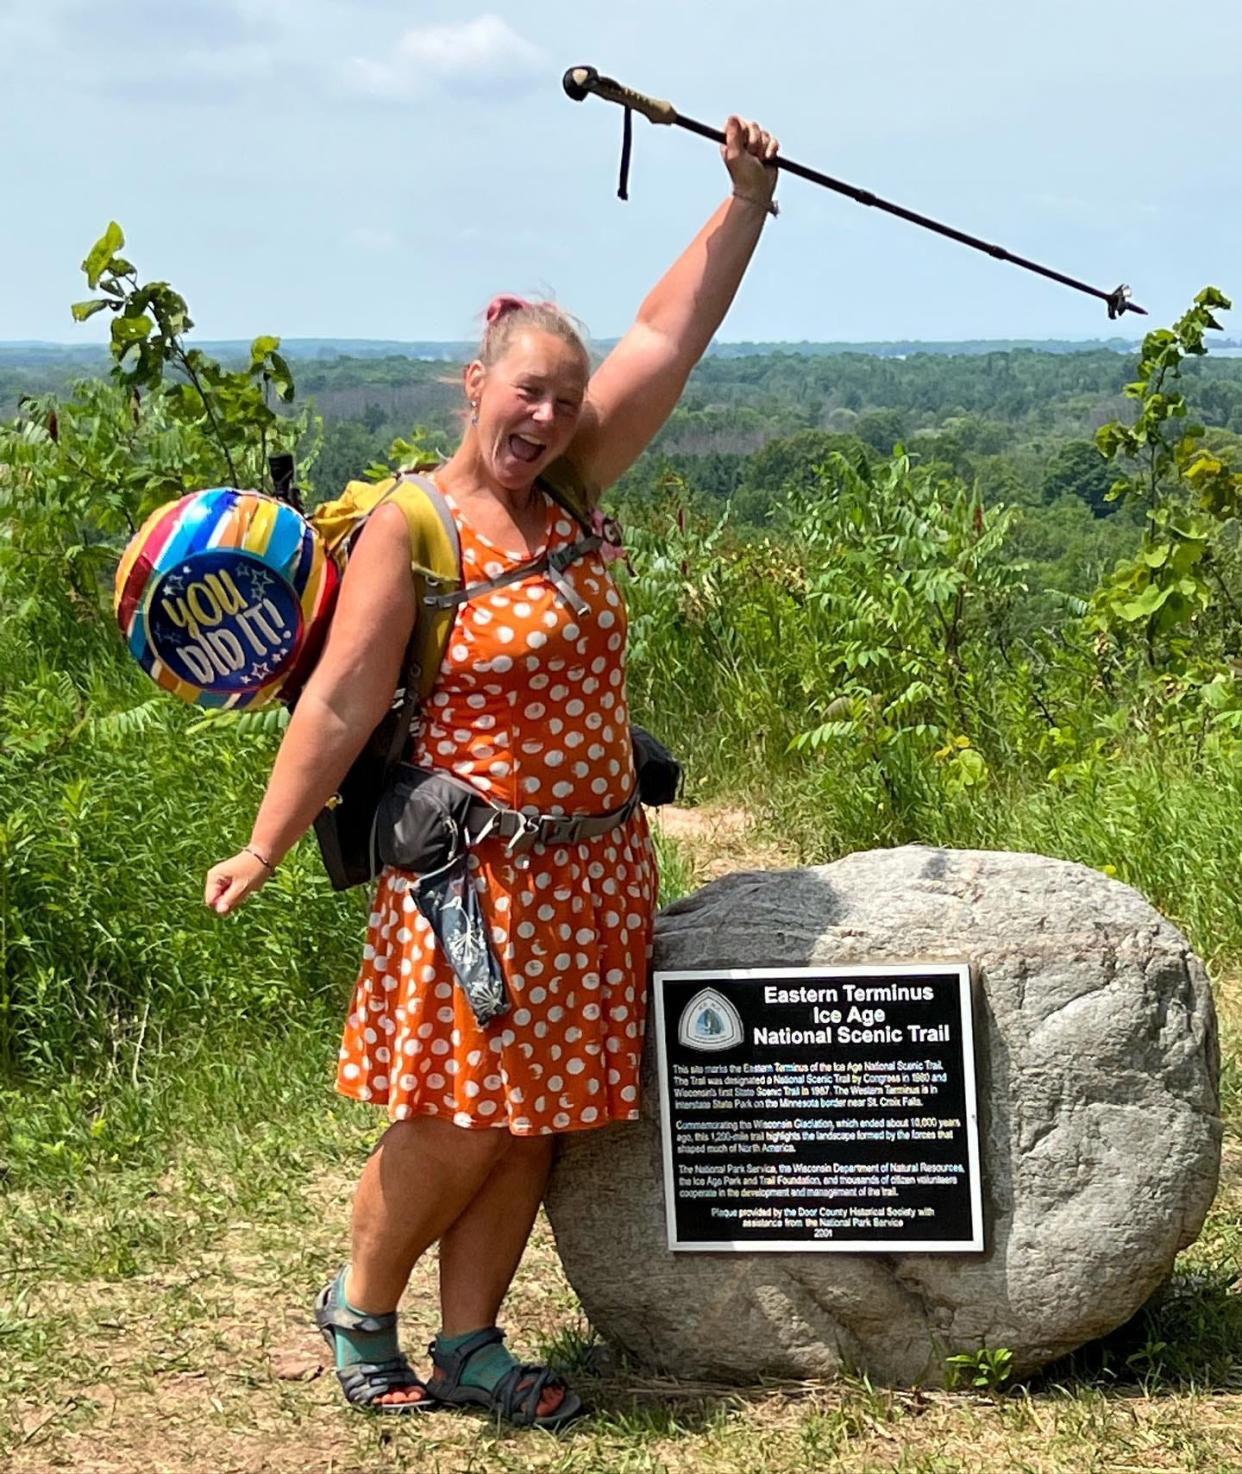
(530,708)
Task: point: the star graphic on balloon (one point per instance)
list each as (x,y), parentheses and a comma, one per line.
(173,584)
(259,671)
(258,579)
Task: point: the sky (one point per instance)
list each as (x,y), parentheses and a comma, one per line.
(381,168)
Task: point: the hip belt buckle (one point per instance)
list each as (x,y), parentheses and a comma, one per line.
(557,830)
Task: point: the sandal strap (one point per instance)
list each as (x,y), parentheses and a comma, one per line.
(366,1382)
(451,1364)
(333,1313)
(342,1318)
(520,1404)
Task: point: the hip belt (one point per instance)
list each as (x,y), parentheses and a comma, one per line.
(427,821)
(428,817)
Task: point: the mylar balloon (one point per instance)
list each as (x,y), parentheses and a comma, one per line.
(224,597)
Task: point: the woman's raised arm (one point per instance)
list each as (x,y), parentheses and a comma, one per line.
(634,390)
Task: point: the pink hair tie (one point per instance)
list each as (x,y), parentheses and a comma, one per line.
(499,306)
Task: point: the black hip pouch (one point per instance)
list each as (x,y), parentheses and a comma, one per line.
(659,772)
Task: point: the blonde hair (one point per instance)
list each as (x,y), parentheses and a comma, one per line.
(507,315)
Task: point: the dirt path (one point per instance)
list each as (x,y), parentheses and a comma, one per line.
(717,839)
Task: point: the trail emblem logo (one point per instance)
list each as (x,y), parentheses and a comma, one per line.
(709,1021)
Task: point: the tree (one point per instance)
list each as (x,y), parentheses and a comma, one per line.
(882,429)
(788,467)
(1079,469)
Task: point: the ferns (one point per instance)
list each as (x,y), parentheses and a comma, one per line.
(130,723)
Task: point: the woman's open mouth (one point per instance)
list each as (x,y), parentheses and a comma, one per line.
(522,449)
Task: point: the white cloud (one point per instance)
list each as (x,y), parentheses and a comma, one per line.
(485,55)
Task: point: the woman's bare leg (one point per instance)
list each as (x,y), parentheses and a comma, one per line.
(480,1252)
(417,1181)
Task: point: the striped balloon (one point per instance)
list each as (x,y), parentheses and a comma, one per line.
(224,596)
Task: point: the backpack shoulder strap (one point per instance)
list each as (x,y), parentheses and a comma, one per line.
(435,561)
(564,484)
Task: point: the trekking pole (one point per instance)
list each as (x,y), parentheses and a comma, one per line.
(580,81)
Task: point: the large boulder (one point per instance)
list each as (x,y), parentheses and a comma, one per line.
(1099,1129)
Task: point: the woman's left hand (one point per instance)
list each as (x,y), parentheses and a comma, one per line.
(748,152)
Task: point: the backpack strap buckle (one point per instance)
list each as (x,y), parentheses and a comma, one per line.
(523,830)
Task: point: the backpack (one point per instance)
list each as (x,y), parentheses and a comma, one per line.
(345,826)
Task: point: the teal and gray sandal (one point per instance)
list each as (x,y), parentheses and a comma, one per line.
(368,1360)
(515,1396)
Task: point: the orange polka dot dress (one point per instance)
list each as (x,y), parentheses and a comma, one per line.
(530,708)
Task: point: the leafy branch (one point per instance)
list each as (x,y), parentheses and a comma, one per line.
(149,325)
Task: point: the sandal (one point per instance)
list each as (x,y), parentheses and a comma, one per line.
(365,1382)
(515,1398)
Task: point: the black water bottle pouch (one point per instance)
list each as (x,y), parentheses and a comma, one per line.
(421,826)
(450,903)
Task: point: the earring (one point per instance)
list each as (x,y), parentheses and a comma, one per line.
(474,411)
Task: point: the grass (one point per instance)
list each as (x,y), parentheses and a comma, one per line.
(164,1230)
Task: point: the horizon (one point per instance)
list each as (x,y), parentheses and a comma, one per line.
(100,346)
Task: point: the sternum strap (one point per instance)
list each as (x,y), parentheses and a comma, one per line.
(553,564)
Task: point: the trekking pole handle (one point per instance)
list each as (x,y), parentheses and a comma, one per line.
(579,81)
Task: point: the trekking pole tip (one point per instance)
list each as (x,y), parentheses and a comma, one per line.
(579,81)
(1119,303)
